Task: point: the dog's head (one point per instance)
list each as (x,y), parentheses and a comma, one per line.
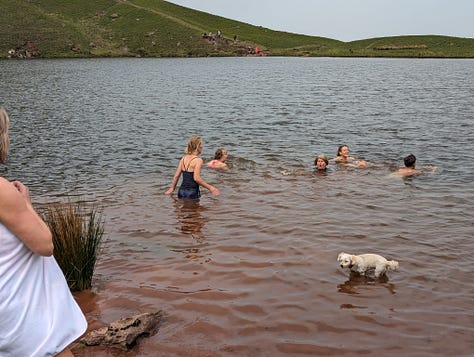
(345,260)
(393,264)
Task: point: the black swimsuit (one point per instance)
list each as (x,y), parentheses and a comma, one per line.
(189,187)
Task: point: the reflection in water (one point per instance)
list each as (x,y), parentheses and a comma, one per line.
(188,214)
(356,281)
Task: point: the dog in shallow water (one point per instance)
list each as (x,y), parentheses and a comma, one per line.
(365,263)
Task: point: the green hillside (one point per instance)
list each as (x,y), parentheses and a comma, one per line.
(156,28)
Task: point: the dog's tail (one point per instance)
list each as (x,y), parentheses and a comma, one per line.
(392,264)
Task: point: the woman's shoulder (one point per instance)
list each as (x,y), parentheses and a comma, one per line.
(195,161)
(5,185)
(191,158)
(216,164)
(212,163)
(8,193)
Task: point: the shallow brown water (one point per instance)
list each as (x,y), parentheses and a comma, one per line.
(253,272)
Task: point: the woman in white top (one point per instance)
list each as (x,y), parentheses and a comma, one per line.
(38,314)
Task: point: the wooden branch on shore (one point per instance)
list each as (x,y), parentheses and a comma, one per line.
(125,332)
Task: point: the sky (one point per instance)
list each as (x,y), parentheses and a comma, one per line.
(348,20)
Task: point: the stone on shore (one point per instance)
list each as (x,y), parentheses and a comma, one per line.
(125,332)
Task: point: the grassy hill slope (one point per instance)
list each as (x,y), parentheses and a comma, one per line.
(155,28)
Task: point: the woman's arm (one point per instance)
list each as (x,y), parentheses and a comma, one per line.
(222,166)
(19,216)
(200,181)
(176,176)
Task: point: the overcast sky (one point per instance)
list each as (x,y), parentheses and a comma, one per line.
(348,20)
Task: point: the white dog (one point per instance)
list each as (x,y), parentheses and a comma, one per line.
(366,262)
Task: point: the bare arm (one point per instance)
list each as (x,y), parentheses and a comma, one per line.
(19,216)
(200,181)
(176,176)
(222,166)
(429,168)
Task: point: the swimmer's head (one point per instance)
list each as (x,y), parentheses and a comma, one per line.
(220,153)
(321,162)
(343,148)
(410,160)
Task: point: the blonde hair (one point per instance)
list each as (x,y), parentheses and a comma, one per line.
(4,140)
(193,144)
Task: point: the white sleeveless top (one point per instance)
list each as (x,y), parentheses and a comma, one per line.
(38,314)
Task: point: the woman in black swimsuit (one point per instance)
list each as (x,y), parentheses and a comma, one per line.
(190,166)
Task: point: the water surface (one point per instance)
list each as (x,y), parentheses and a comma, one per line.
(253,272)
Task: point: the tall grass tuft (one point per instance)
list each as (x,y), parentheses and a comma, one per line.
(77,231)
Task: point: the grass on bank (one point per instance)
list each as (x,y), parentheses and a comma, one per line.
(77,231)
(156,28)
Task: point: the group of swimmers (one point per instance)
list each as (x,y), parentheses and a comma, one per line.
(321,163)
(191,164)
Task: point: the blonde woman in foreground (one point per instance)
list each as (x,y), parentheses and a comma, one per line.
(38,314)
(190,167)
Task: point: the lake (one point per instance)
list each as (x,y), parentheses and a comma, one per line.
(253,271)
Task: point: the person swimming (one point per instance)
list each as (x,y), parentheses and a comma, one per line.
(409,169)
(220,158)
(344,158)
(321,163)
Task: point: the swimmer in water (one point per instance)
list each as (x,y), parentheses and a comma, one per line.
(321,163)
(220,158)
(409,169)
(346,160)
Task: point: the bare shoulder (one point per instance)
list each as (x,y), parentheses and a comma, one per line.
(6,188)
(196,162)
(9,198)
(405,172)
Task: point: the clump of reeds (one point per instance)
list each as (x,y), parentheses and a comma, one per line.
(77,231)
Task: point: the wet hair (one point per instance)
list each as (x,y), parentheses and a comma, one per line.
(340,148)
(193,144)
(4,140)
(321,157)
(220,153)
(409,160)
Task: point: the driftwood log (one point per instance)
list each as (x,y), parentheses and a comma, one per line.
(124,333)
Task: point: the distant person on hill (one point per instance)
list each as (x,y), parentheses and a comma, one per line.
(38,314)
(409,169)
(220,158)
(190,167)
(346,160)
